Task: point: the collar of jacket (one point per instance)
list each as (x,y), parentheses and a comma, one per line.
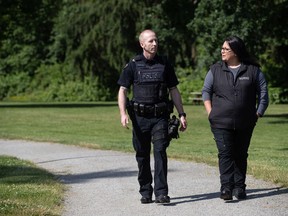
(225,68)
(142,58)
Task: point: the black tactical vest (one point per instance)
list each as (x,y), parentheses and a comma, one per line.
(150,83)
(233,103)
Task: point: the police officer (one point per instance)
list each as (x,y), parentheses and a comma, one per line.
(153,78)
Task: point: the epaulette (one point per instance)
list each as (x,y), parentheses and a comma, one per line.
(137,58)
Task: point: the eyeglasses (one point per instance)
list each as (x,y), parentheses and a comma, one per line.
(225,49)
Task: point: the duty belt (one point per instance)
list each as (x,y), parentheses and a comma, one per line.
(147,109)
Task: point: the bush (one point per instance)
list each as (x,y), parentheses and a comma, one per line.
(88,90)
(13,85)
(52,83)
(278,95)
(188,82)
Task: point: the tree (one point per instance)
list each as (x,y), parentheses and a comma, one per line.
(25,33)
(72,44)
(95,39)
(169,19)
(261,26)
(25,28)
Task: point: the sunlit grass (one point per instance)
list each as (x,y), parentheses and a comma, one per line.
(99,127)
(28,190)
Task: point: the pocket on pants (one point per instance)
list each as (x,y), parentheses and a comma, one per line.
(224,140)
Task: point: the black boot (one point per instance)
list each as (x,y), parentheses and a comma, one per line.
(226,194)
(145,200)
(240,193)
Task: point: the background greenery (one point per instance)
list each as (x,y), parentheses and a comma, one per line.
(97,125)
(72,50)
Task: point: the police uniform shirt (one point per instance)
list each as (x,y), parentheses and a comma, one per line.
(129,73)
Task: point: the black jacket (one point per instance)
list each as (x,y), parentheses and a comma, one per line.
(233,102)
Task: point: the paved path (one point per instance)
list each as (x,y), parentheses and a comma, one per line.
(105,183)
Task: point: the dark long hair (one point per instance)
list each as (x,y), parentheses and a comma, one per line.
(238,47)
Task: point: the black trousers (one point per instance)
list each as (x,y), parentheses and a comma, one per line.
(155,130)
(232,156)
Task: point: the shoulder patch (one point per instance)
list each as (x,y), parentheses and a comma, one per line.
(125,66)
(137,58)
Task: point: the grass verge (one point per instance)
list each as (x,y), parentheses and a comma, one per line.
(28,190)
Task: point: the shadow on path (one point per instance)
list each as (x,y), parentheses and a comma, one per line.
(77,158)
(86,177)
(251,194)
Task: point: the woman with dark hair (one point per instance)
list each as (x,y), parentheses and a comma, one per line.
(239,49)
(235,95)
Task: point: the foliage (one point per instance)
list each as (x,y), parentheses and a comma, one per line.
(169,19)
(11,85)
(97,41)
(92,40)
(253,22)
(188,82)
(25,34)
(278,95)
(54,84)
(275,45)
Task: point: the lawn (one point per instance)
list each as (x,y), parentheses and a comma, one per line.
(97,125)
(28,190)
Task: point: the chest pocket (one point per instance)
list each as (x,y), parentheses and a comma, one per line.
(150,73)
(150,82)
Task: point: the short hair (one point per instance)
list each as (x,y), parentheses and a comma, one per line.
(145,32)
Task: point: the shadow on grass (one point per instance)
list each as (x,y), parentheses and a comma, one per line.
(281,118)
(282,115)
(57,105)
(23,174)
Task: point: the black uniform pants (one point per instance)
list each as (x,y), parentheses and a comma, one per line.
(232,155)
(155,130)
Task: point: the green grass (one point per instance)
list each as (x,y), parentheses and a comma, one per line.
(98,126)
(28,190)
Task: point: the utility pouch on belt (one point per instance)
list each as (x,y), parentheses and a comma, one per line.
(136,108)
(160,109)
(129,108)
(141,109)
(170,106)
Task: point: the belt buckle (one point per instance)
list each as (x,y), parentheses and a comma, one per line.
(149,109)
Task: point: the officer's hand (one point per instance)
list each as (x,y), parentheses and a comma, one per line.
(125,120)
(183,123)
